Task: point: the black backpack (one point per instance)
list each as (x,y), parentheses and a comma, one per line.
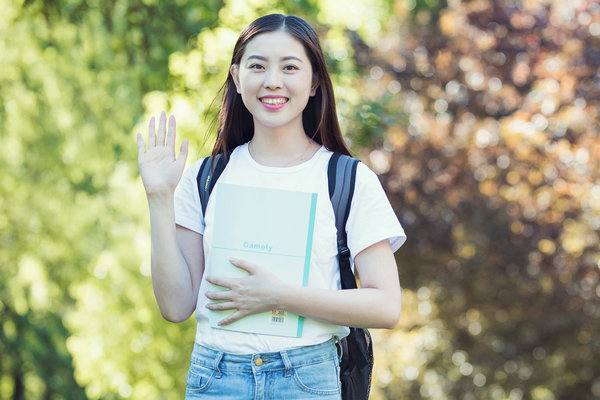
(356,365)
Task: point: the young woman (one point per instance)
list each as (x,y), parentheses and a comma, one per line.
(278,121)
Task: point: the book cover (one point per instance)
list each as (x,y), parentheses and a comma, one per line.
(272,228)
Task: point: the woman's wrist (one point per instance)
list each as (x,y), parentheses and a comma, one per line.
(161,197)
(282,294)
(162,209)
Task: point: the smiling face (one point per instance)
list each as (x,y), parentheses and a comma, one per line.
(275,80)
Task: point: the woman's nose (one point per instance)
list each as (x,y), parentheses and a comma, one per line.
(273,78)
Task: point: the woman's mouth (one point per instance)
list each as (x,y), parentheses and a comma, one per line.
(273,103)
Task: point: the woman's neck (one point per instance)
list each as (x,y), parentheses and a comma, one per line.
(281,148)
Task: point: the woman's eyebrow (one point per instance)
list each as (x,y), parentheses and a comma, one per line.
(262,58)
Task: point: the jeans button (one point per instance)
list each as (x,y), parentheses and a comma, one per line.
(258,362)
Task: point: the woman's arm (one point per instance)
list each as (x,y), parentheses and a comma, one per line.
(177,263)
(177,260)
(377,304)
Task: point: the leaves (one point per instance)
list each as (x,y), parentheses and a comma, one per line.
(492,177)
(73,209)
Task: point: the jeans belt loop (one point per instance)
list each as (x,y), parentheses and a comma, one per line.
(340,348)
(287,363)
(218,359)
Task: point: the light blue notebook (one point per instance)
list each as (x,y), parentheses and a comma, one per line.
(269,227)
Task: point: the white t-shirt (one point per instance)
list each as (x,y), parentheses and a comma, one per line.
(371,220)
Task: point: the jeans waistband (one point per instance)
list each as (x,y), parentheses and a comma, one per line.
(286,359)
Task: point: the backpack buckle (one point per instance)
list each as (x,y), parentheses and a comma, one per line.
(343,251)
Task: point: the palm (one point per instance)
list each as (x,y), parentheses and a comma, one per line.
(159,168)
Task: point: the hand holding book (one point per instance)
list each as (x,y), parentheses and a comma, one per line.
(272,231)
(258,292)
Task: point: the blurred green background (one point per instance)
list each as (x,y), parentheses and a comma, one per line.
(481,118)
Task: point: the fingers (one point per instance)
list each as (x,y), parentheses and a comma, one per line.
(157,137)
(151,133)
(140,143)
(232,318)
(183,152)
(219,296)
(222,306)
(162,122)
(227,306)
(245,265)
(171,132)
(219,282)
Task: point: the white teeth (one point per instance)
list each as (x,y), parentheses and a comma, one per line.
(273,100)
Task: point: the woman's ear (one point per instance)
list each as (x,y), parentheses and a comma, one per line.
(314,86)
(234,70)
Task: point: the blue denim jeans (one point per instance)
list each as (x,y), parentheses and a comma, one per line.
(310,372)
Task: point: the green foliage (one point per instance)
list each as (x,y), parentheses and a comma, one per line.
(72,82)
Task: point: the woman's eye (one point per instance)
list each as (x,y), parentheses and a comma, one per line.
(290,68)
(255,66)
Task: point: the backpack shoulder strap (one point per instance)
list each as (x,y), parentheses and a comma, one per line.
(209,172)
(341,175)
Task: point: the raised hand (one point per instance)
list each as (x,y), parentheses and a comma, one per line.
(159,168)
(252,294)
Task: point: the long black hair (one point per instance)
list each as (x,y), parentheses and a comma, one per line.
(319,118)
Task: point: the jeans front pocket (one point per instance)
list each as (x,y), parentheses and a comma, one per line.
(320,378)
(198,378)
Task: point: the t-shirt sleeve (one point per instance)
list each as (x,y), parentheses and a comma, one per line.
(371,217)
(188,210)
